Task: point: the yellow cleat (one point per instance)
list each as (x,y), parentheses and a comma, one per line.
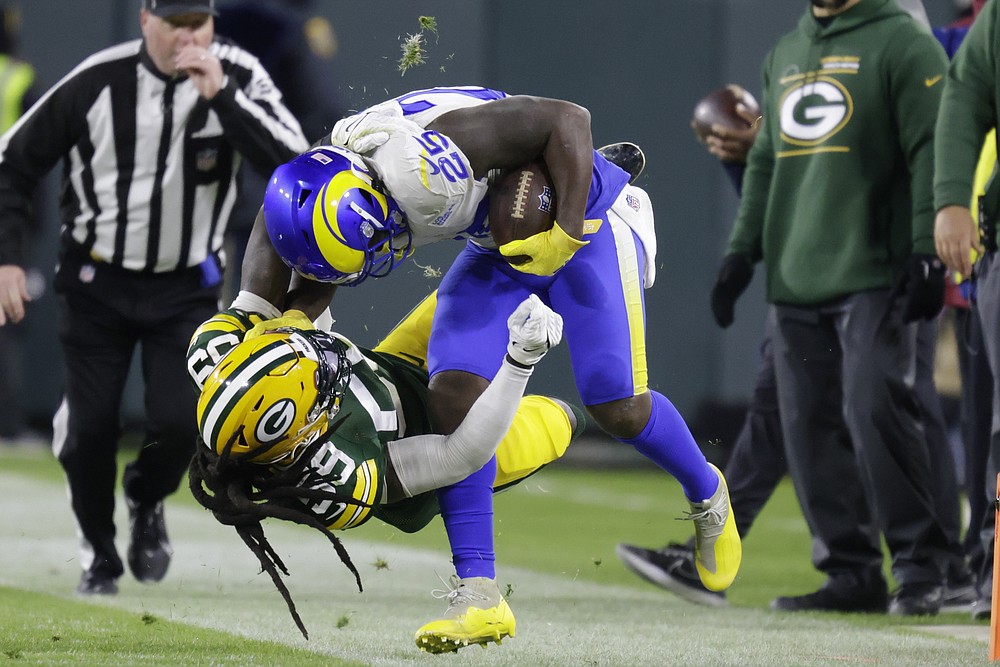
(476,614)
(717,549)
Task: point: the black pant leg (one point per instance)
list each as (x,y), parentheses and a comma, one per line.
(170,396)
(976,416)
(757,461)
(988,309)
(821,459)
(98,344)
(944,481)
(884,419)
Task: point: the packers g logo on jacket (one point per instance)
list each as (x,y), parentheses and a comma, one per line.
(273,395)
(814,109)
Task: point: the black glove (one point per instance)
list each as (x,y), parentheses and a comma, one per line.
(734,276)
(921,287)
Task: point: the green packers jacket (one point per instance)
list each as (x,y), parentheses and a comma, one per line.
(837,192)
(969,109)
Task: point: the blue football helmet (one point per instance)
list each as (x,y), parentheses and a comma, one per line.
(330,219)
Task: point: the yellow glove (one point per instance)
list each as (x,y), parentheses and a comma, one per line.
(547,251)
(289,318)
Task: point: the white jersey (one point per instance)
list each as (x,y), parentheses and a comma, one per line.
(427,174)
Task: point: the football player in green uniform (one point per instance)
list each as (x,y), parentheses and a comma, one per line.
(303,425)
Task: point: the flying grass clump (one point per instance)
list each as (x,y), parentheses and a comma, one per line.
(413,52)
(413,46)
(428,23)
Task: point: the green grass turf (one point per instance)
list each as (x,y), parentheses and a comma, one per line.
(44,629)
(556,536)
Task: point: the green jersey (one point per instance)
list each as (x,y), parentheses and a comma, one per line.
(970,107)
(385,401)
(837,191)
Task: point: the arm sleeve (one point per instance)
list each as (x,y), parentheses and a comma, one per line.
(918,64)
(257,121)
(968,111)
(426,462)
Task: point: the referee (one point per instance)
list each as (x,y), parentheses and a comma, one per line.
(151,133)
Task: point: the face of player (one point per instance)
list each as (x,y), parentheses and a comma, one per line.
(165,38)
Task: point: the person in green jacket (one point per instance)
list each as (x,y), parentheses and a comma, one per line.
(836,202)
(970,108)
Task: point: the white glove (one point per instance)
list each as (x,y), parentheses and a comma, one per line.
(534,328)
(366,131)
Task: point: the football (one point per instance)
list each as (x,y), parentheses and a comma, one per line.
(719,108)
(522,204)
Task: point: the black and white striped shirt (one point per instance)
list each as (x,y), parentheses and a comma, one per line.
(150,167)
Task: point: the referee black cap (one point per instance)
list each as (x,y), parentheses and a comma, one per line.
(167,8)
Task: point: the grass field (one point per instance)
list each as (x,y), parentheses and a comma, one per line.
(574,603)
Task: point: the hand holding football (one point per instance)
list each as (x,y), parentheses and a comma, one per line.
(719,108)
(522,203)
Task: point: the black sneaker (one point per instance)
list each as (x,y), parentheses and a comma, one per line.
(835,595)
(97,581)
(959,586)
(149,550)
(958,597)
(671,567)
(918,599)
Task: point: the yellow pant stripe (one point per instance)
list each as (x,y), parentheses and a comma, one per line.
(628,263)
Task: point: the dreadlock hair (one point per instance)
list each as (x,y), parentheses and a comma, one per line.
(241,494)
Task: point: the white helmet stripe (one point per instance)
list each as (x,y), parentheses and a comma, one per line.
(236,385)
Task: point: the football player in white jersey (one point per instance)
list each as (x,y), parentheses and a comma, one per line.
(415,170)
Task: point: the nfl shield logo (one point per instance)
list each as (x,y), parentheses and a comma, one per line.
(545,200)
(632,201)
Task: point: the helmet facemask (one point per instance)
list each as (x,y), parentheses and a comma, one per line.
(333,372)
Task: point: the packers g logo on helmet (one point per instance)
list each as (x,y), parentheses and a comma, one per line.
(276,421)
(273,395)
(329,219)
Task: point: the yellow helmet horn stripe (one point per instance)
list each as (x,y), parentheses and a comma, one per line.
(330,240)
